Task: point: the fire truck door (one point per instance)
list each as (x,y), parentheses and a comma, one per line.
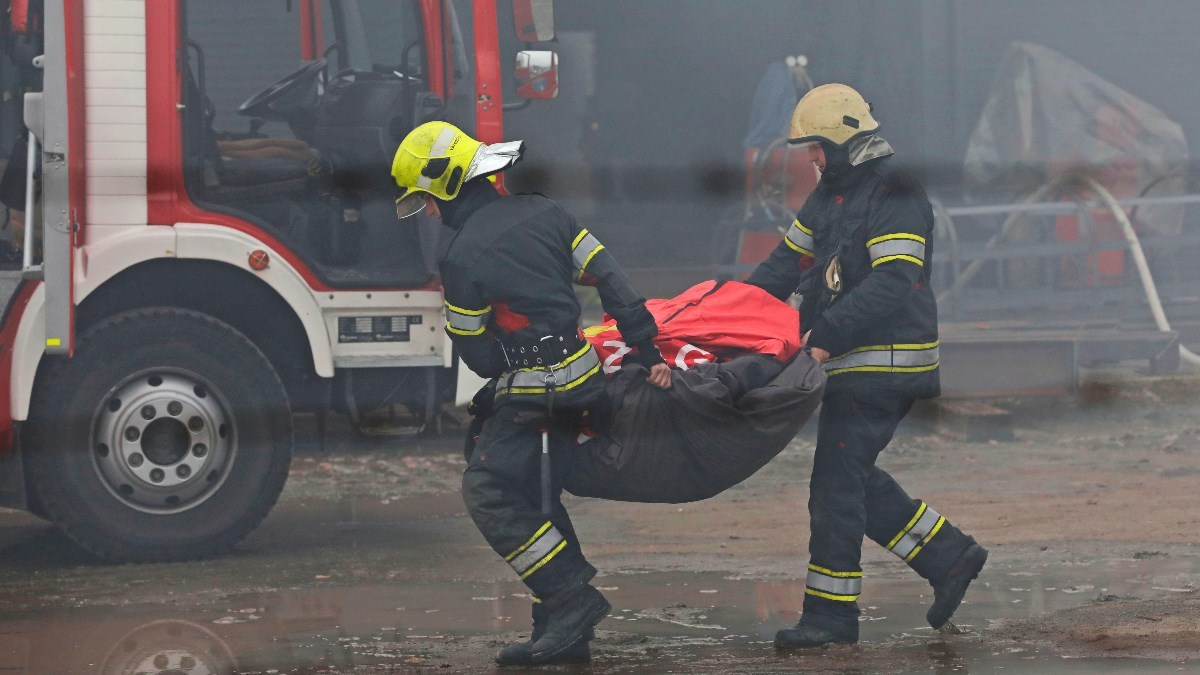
(60,130)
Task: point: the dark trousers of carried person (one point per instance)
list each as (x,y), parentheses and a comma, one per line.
(515,502)
(849,496)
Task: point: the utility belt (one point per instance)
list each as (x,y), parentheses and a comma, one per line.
(550,350)
(555,363)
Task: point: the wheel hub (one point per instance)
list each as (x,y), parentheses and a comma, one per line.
(163,441)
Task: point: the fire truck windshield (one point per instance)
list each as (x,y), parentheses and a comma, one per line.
(376,35)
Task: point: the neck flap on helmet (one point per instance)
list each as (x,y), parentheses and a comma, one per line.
(866,148)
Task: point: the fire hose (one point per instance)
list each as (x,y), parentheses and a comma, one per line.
(1143,269)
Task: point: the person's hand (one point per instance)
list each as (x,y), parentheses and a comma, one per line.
(818,354)
(660,376)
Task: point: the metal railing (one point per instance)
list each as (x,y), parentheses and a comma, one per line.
(1046,257)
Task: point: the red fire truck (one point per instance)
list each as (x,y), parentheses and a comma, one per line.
(211,246)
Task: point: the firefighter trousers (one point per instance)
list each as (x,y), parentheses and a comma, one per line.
(849,496)
(502,489)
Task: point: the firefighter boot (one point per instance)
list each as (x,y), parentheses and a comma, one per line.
(948,591)
(568,623)
(521,653)
(811,633)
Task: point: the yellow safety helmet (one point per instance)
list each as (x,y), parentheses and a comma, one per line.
(834,113)
(436,158)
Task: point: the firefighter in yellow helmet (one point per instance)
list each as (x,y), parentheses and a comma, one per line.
(512,314)
(858,253)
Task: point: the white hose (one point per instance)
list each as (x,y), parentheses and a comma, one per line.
(1143,269)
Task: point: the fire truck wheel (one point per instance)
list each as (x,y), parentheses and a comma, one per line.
(167,436)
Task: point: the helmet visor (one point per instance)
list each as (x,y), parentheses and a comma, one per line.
(409,205)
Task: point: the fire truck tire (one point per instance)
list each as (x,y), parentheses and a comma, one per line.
(167,436)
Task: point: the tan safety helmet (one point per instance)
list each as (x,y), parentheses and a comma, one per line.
(834,113)
(436,158)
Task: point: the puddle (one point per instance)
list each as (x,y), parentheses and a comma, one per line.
(661,622)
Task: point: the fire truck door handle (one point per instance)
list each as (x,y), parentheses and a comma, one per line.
(30,166)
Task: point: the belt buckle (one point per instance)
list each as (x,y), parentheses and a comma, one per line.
(548,377)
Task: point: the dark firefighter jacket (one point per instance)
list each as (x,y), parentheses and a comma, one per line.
(875,227)
(510,307)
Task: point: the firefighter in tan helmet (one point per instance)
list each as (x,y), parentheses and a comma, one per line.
(513,317)
(858,254)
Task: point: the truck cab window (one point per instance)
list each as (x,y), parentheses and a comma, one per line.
(378,33)
(302,147)
(17,77)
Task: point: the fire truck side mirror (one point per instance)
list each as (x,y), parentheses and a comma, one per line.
(537,74)
(534,20)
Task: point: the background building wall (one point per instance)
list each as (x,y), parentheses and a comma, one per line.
(671,83)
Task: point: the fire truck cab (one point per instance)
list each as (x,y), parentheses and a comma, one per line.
(211,246)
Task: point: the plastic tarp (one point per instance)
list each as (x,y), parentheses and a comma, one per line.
(1048,116)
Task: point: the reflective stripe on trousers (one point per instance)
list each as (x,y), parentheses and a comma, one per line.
(833,585)
(539,550)
(920,529)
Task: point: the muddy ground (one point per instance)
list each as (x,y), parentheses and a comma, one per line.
(370,565)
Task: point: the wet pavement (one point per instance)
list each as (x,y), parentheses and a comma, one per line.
(369,564)
(329,587)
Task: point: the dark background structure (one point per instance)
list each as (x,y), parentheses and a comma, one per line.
(668,84)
